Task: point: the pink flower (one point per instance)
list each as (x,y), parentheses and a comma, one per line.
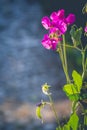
(56,25)
(85,29)
(70,19)
(49,43)
(46,22)
(62,26)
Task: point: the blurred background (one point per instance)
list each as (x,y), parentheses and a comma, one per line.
(25,65)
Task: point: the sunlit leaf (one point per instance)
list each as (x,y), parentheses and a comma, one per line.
(71,92)
(77,80)
(66,127)
(70,89)
(73,121)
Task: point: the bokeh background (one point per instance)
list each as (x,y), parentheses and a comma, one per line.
(25,65)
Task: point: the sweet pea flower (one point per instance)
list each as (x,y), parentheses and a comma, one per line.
(50,41)
(46,22)
(62,26)
(57,26)
(70,19)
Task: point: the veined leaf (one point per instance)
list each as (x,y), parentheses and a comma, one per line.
(70,89)
(71,92)
(74,97)
(76,34)
(73,121)
(66,127)
(77,80)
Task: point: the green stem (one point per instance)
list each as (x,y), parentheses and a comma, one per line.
(61,56)
(53,108)
(65,60)
(83,63)
(72,47)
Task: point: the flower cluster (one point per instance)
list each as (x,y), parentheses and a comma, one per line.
(57,26)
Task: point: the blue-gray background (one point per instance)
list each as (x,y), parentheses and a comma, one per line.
(24,64)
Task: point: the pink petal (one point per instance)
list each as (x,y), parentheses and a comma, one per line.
(70,19)
(54,44)
(54,16)
(53,30)
(62,26)
(61,14)
(46,42)
(46,22)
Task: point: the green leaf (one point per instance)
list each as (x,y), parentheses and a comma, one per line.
(73,121)
(66,127)
(70,89)
(74,97)
(59,128)
(71,92)
(85,120)
(77,80)
(84,10)
(76,34)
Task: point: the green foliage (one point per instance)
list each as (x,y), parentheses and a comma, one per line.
(72,124)
(76,87)
(77,80)
(84,10)
(76,34)
(73,121)
(72,90)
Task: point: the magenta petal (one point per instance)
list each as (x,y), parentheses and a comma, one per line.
(70,19)
(62,26)
(46,42)
(53,30)
(46,22)
(54,44)
(54,16)
(61,14)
